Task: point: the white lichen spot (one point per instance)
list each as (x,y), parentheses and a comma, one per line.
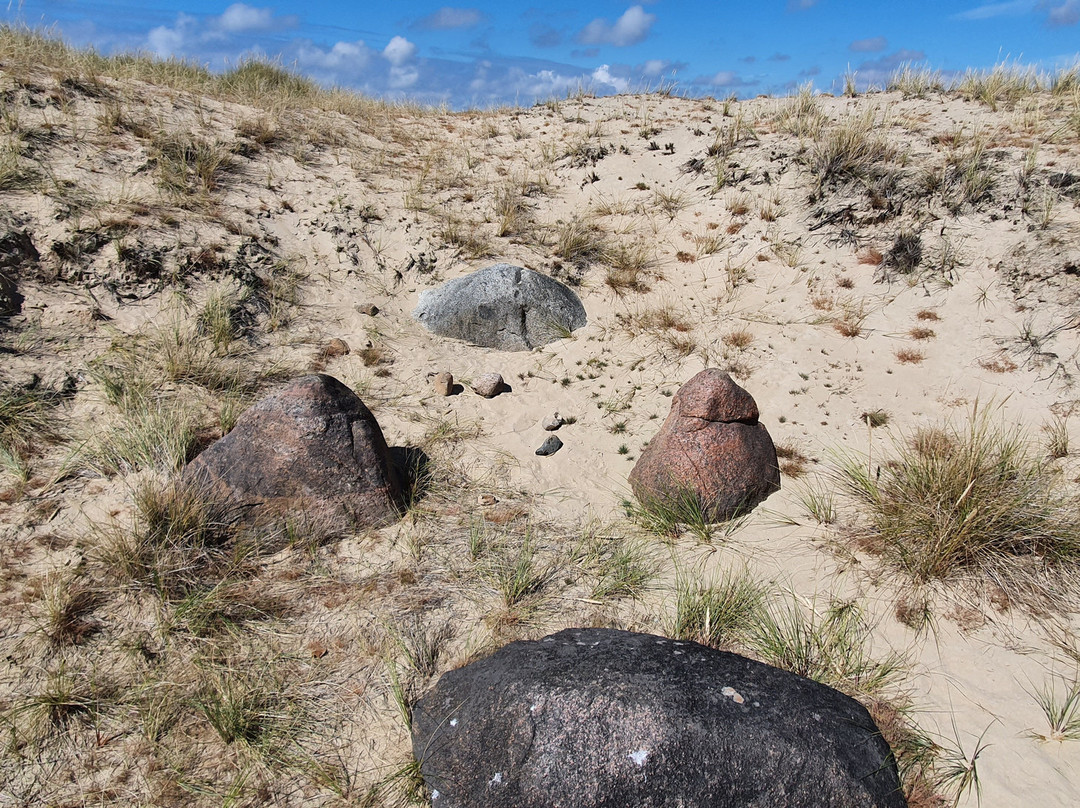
(453,722)
(435,794)
(639,757)
(496,780)
(535,706)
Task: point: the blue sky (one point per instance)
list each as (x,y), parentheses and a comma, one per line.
(490,53)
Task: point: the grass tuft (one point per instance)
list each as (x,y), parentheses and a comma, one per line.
(720,614)
(975,500)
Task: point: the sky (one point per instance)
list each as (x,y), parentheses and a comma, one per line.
(489,53)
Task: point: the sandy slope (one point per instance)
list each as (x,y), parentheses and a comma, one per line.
(755,255)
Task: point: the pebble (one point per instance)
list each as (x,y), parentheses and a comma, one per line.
(486,499)
(489,385)
(553,423)
(370,309)
(334,348)
(443,383)
(550,446)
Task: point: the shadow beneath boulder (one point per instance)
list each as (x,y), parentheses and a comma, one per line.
(413,467)
(457,389)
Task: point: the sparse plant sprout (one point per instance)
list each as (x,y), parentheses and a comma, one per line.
(738,204)
(580,242)
(871,256)
(671,202)
(26,420)
(669,516)
(819,504)
(854,149)
(519,577)
(915,81)
(740,338)
(189,167)
(849,325)
(719,614)
(1062,710)
(622,567)
(831,647)
(909,356)
(957,771)
(793,463)
(875,418)
(1057,437)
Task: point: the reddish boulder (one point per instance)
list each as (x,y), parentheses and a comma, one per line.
(712,447)
(312,448)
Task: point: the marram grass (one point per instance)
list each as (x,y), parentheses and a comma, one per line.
(955,501)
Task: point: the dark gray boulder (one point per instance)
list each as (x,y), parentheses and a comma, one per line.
(600,718)
(502,306)
(310,450)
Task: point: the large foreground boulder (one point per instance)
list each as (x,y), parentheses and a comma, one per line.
(313,450)
(711,449)
(502,306)
(600,718)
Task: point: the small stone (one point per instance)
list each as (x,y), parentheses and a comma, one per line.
(553,423)
(370,309)
(443,383)
(489,385)
(334,348)
(550,446)
(486,499)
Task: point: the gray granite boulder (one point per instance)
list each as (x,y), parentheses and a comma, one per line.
(502,306)
(601,718)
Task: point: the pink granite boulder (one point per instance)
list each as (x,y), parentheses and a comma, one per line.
(711,447)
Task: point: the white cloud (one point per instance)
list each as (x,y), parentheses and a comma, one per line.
(342,56)
(602,75)
(164,41)
(401,78)
(398,51)
(990,10)
(241,18)
(632,27)
(1068,13)
(801,5)
(448,18)
(654,67)
(189,33)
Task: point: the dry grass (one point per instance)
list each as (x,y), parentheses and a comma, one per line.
(969,503)
(740,338)
(909,356)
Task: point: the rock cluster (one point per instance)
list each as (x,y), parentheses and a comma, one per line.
(598,717)
(712,448)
